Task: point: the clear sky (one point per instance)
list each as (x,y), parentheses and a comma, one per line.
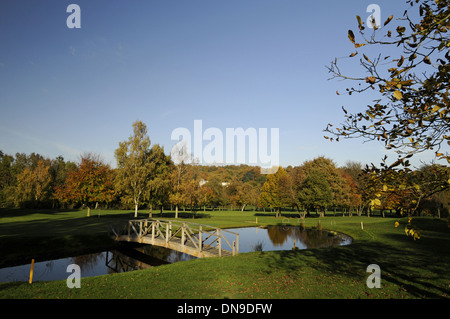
(229,63)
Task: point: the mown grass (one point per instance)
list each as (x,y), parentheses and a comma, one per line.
(410,269)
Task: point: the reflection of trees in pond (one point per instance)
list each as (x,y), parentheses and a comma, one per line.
(163,253)
(278,235)
(120,262)
(310,238)
(88,262)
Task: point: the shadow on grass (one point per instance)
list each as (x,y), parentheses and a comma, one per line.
(420,269)
(21,212)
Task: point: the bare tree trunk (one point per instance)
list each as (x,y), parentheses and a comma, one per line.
(176,211)
(135,210)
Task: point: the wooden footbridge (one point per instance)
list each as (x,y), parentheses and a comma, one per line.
(193,239)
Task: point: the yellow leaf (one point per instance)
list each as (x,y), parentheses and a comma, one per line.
(351,36)
(396,224)
(360,23)
(398,95)
(435,109)
(367,59)
(400,61)
(388,20)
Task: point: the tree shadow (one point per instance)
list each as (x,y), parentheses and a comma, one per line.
(21,212)
(416,271)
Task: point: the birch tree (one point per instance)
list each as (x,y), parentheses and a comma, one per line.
(134,166)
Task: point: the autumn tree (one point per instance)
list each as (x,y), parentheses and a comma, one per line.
(179,175)
(349,196)
(274,192)
(411,111)
(329,181)
(219,191)
(205,196)
(135,166)
(247,194)
(159,186)
(34,184)
(59,169)
(190,193)
(90,183)
(315,191)
(404,190)
(7,180)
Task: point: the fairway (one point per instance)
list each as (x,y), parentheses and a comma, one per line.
(409,268)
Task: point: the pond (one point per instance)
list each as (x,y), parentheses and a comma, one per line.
(137,257)
(285,237)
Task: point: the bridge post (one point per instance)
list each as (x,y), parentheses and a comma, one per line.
(167,234)
(200,238)
(183,228)
(170,229)
(219,242)
(153,230)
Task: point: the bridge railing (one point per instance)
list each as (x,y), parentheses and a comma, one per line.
(199,236)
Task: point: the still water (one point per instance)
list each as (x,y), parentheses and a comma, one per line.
(137,257)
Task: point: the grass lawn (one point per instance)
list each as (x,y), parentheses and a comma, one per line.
(409,269)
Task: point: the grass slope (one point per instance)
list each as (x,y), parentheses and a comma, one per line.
(409,269)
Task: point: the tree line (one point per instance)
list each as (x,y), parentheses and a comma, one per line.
(147,178)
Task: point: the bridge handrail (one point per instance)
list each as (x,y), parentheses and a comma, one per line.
(181,222)
(143,227)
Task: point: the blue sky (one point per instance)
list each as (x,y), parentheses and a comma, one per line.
(229,63)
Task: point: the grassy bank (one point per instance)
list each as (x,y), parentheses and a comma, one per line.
(409,269)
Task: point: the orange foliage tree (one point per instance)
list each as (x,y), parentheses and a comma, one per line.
(92,182)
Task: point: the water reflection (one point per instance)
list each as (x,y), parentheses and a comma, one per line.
(286,237)
(133,257)
(140,256)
